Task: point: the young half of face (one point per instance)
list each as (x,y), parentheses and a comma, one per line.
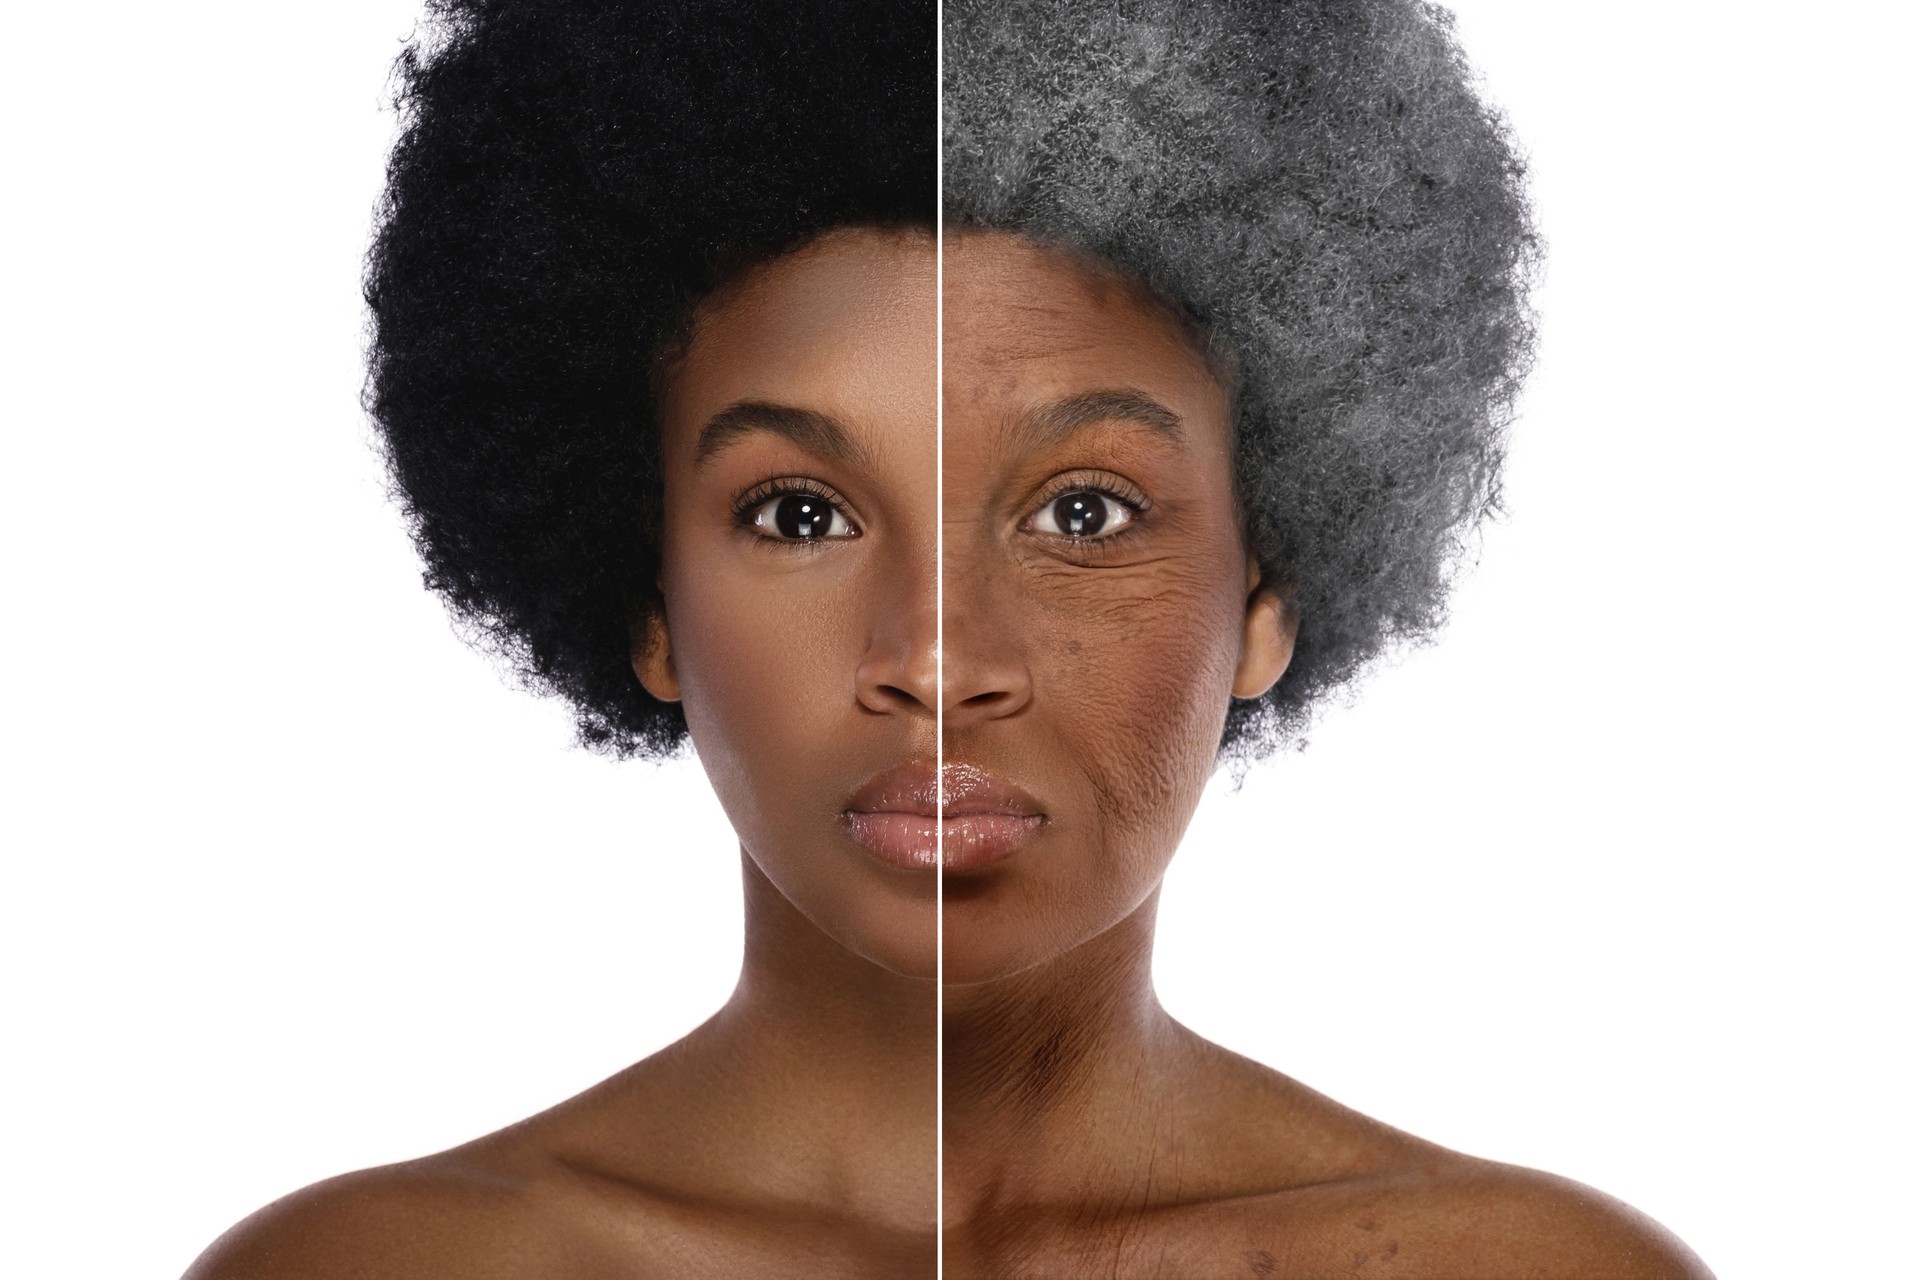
(1100,605)
(799,578)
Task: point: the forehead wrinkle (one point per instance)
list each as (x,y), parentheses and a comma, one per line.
(818,433)
(1019,330)
(1020,346)
(1056,421)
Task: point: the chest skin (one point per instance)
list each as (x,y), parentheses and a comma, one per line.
(1442,1220)
(1294,1234)
(593,1229)
(772,1249)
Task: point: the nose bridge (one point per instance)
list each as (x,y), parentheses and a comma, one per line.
(984,669)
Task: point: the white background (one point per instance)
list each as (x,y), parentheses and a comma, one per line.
(1613,881)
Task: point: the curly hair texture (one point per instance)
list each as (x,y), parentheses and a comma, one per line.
(1318,187)
(570,179)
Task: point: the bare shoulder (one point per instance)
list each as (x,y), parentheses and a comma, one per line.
(1452,1215)
(448,1215)
(1329,1191)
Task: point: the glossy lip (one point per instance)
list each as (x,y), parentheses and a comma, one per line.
(898,817)
(986,818)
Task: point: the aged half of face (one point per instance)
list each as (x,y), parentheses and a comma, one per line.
(1101,605)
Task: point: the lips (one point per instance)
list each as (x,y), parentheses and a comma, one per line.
(985,818)
(900,819)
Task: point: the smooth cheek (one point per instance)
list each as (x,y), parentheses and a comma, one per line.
(762,652)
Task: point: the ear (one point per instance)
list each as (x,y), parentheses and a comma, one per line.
(1266,637)
(651,652)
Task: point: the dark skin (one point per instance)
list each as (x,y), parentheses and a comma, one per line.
(794,1133)
(1086,1132)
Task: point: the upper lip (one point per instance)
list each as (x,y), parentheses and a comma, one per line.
(916,789)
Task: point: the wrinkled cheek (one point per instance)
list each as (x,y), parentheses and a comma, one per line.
(1146,719)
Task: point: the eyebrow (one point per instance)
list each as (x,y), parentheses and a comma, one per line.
(1052,423)
(817,433)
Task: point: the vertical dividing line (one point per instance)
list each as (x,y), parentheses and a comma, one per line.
(940,640)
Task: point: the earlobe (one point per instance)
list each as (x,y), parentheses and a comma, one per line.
(651,652)
(1266,639)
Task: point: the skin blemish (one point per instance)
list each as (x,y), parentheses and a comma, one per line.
(1260,1262)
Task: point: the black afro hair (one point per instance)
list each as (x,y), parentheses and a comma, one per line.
(1315,184)
(1318,186)
(571,177)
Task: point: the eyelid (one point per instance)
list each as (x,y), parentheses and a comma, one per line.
(779,487)
(1101,482)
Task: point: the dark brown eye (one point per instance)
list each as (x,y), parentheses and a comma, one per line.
(802,517)
(799,517)
(1083,513)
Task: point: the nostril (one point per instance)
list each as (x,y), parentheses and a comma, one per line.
(989,705)
(899,696)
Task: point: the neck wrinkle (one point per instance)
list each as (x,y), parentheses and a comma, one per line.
(1038,1063)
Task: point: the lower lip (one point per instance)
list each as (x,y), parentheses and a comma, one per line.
(975,840)
(908,840)
(904,840)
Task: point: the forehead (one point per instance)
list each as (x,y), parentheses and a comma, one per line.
(1026,324)
(843,327)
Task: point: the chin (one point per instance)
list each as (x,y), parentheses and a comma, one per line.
(984,940)
(994,932)
(894,932)
(1065,902)
(902,957)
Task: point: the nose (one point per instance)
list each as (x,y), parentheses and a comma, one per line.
(900,672)
(984,673)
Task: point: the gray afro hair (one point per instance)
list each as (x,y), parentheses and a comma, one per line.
(1317,185)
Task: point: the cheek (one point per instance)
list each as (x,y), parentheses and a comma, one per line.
(764,661)
(1137,665)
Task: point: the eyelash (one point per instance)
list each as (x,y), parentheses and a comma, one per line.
(767,490)
(1110,487)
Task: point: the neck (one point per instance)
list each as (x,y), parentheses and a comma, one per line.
(1050,1072)
(802,987)
(831,1058)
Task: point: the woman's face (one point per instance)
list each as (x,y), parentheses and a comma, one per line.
(1099,601)
(1096,612)
(799,576)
